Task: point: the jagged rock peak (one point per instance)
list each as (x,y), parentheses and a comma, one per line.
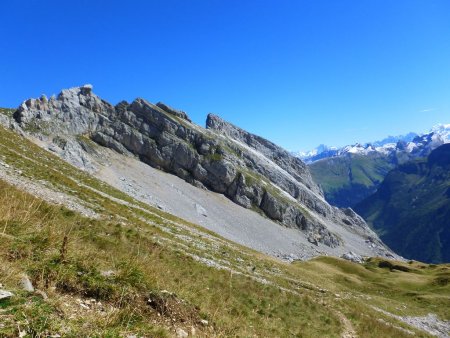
(259,143)
(291,164)
(215,122)
(121,106)
(173,111)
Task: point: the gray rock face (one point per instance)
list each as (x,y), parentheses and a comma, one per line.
(278,155)
(75,111)
(8,122)
(200,210)
(74,151)
(4,121)
(249,170)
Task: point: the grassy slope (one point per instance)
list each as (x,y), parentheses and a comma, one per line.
(411,209)
(150,251)
(347,180)
(7,111)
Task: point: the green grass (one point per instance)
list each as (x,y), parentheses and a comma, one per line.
(347,180)
(149,251)
(413,293)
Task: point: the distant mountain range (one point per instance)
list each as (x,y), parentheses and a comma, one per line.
(349,174)
(399,185)
(384,146)
(394,139)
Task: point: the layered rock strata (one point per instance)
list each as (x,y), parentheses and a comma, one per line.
(249,170)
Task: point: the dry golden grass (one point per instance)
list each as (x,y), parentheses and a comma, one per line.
(65,254)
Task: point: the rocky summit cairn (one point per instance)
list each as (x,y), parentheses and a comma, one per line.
(248,169)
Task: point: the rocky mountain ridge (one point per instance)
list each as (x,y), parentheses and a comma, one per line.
(249,170)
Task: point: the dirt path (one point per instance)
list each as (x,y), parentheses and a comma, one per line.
(349,331)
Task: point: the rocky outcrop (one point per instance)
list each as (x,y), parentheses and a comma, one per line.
(249,170)
(4,120)
(75,151)
(5,294)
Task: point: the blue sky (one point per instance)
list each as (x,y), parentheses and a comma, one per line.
(298,72)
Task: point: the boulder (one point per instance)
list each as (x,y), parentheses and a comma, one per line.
(200,210)
(353,257)
(181,333)
(25,284)
(5,294)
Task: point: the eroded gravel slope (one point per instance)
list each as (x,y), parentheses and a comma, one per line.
(217,213)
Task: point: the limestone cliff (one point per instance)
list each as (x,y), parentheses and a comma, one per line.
(249,170)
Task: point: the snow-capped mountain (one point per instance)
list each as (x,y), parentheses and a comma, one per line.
(442,130)
(321,151)
(416,145)
(350,174)
(394,139)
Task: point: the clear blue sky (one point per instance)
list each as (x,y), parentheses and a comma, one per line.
(298,72)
